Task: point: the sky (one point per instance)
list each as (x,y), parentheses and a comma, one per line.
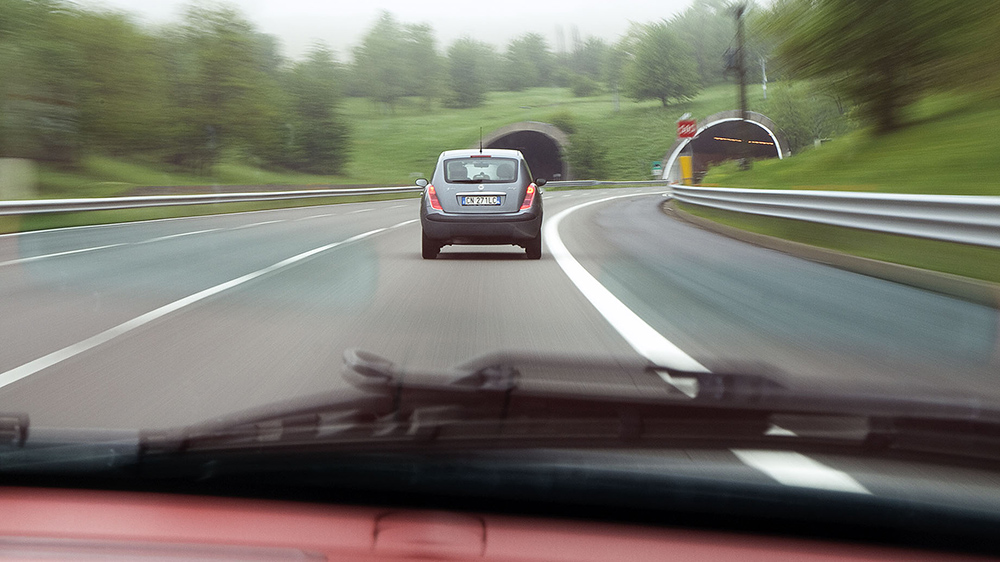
(341,23)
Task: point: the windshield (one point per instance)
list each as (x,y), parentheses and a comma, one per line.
(748,227)
(480,170)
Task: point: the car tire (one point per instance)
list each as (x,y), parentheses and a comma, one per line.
(428,248)
(534,247)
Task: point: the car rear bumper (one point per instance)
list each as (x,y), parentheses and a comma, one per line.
(481,229)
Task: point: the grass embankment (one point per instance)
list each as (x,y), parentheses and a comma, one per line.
(947,149)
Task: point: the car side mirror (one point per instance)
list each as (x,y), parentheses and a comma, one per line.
(422,182)
(540,182)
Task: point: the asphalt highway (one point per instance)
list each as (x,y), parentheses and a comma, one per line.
(170,322)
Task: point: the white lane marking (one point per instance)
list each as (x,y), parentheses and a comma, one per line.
(641,336)
(360,211)
(70,351)
(310,217)
(397,206)
(57,254)
(256,224)
(404,223)
(789,468)
(178,235)
(795,469)
(779,431)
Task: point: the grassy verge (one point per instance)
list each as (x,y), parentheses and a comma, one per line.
(975,262)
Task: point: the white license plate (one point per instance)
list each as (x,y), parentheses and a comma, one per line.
(476,200)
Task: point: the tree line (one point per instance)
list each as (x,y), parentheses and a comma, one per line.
(212,85)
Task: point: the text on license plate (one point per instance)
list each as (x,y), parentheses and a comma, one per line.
(480,200)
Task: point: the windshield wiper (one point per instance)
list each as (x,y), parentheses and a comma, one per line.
(525,401)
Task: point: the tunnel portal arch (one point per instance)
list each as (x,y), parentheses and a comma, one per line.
(719,138)
(543,145)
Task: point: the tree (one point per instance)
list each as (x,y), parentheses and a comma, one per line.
(380,65)
(424,66)
(528,62)
(226,91)
(805,113)
(883,55)
(317,139)
(661,66)
(707,26)
(469,66)
(121,90)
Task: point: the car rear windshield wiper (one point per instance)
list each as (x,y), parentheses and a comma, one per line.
(524,401)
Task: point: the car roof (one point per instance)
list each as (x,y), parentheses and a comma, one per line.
(505,152)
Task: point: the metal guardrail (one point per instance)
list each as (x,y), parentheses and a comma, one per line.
(108,203)
(38,206)
(953,218)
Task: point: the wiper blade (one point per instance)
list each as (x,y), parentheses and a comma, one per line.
(511,400)
(503,396)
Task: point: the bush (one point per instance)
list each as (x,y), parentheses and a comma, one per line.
(587,156)
(583,86)
(564,120)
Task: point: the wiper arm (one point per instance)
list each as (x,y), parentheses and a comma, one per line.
(501,396)
(512,400)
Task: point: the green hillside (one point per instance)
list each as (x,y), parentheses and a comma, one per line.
(949,148)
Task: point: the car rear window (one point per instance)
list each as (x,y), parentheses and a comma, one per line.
(480,170)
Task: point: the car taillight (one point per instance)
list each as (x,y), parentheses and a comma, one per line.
(433,196)
(529,197)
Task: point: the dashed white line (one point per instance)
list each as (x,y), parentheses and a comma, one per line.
(70,351)
(641,336)
(795,469)
(57,254)
(257,224)
(310,217)
(171,236)
(360,211)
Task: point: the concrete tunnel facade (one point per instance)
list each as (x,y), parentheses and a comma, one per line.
(720,137)
(543,145)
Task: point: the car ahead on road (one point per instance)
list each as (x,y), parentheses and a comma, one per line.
(481,197)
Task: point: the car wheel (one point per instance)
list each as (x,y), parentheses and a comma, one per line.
(429,248)
(534,247)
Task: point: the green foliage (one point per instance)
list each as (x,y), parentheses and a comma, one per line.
(881,55)
(528,63)
(708,27)
(805,113)
(588,156)
(583,86)
(395,60)
(661,65)
(317,135)
(469,70)
(564,120)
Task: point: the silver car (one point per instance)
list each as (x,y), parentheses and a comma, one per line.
(481,197)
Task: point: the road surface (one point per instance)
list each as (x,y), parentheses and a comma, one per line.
(162,323)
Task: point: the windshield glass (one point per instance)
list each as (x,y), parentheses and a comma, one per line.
(480,170)
(735,210)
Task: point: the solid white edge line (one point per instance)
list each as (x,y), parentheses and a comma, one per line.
(32,367)
(795,469)
(641,336)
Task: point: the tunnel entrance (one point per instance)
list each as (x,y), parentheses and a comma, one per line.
(542,144)
(725,136)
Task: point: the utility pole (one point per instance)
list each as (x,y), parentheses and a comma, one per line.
(741,70)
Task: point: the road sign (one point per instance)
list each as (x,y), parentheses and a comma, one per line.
(687,128)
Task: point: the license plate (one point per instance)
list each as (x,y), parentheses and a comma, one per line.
(477,200)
